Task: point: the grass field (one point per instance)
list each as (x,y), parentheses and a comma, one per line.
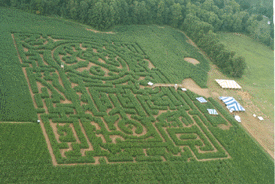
(101,123)
(258,79)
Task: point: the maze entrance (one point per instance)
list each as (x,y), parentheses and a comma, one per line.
(94,104)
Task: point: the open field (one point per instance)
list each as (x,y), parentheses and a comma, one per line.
(102,123)
(258,79)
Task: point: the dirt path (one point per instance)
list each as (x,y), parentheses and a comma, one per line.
(150,64)
(32,95)
(48,142)
(188,84)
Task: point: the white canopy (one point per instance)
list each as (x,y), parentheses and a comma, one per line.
(228,84)
(212,111)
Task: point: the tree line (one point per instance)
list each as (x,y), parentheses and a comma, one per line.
(200,19)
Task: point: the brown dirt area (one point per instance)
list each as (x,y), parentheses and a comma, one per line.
(55,40)
(95,31)
(150,65)
(192,86)
(25,49)
(191,60)
(189,84)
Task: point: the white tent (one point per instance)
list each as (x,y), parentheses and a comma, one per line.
(228,84)
(183,89)
(201,100)
(212,111)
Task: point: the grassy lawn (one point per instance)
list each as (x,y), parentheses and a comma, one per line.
(258,79)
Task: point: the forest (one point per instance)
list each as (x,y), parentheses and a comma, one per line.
(200,19)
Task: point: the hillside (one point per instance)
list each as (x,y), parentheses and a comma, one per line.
(100,121)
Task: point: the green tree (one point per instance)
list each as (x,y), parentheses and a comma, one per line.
(238,65)
(160,12)
(124,13)
(176,15)
(83,11)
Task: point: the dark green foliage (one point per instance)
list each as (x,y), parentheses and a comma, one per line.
(15,101)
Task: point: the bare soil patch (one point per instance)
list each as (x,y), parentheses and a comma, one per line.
(191,60)
(192,86)
(48,142)
(114,137)
(83,48)
(53,125)
(189,84)
(62,151)
(55,40)
(74,132)
(95,31)
(101,60)
(83,151)
(150,65)
(86,68)
(141,78)
(25,49)
(245,95)
(223,127)
(41,55)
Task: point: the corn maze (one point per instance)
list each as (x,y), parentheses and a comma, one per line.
(95,106)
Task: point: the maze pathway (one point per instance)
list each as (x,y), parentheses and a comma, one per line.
(94,104)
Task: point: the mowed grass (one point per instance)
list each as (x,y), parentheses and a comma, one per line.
(258,79)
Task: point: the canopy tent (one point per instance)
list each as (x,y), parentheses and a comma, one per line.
(232,104)
(228,84)
(201,100)
(212,111)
